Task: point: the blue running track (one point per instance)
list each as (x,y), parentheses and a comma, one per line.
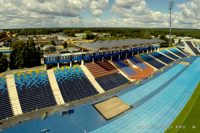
(155,115)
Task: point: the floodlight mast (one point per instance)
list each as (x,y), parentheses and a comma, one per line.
(171,5)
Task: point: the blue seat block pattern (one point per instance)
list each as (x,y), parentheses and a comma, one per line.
(138,63)
(73,83)
(34,90)
(174,50)
(169,54)
(152,61)
(111,81)
(125,67)
(5,106)
(162,57)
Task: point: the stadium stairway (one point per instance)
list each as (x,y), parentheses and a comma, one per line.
(73,83)
(166,55)
(184,51)
(140,73)
(157,59)
(54,86)
(170,54)
(141,64)
(162,58)
(152,61)
(121,72)
(106,75)
(92,79)
(13,95)
(177,52)
(34,90)
(126,69)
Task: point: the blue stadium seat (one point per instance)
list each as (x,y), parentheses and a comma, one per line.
(138,63)
(5,106)
(169,54)
(162,57)
(73,84)
(152,61)
(174,50)
(124,67)
(111,81)
(34,90)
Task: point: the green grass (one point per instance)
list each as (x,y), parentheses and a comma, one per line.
(189,116)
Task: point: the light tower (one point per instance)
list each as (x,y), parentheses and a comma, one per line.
(171,5)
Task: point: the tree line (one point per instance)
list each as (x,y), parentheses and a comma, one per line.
(23,55)
(117,32)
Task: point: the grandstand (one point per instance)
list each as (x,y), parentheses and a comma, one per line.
(177,52)
(144,70)
(106,75)
(73,83)
(152,61)
(162,57)
(170,54)
(34,90)
(162,96)
(135,79)
(127,69)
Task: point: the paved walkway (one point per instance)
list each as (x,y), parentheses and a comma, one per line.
(54,86)
(13,95)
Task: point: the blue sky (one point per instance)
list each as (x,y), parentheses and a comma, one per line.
(98,13)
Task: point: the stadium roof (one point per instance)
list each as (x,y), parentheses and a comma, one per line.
(120,44)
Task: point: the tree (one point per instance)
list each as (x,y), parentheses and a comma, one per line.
(53,43)
(17,44)
(164,38)
(179,40)
(90,36)
(3,63)
(24,55)
(65,44)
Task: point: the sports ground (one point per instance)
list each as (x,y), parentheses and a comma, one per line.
(188,120)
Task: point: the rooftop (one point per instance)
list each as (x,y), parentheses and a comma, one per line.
(99,45)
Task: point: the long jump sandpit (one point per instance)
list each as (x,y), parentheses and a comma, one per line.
(111,107)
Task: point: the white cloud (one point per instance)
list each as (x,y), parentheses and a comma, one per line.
(138,12)
(97,7)
(68,13)
(44,13)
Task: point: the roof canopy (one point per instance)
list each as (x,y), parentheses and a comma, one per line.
(119,44)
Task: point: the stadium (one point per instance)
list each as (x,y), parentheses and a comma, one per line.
(119,86)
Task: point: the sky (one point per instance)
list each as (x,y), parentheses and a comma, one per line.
(98,13)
